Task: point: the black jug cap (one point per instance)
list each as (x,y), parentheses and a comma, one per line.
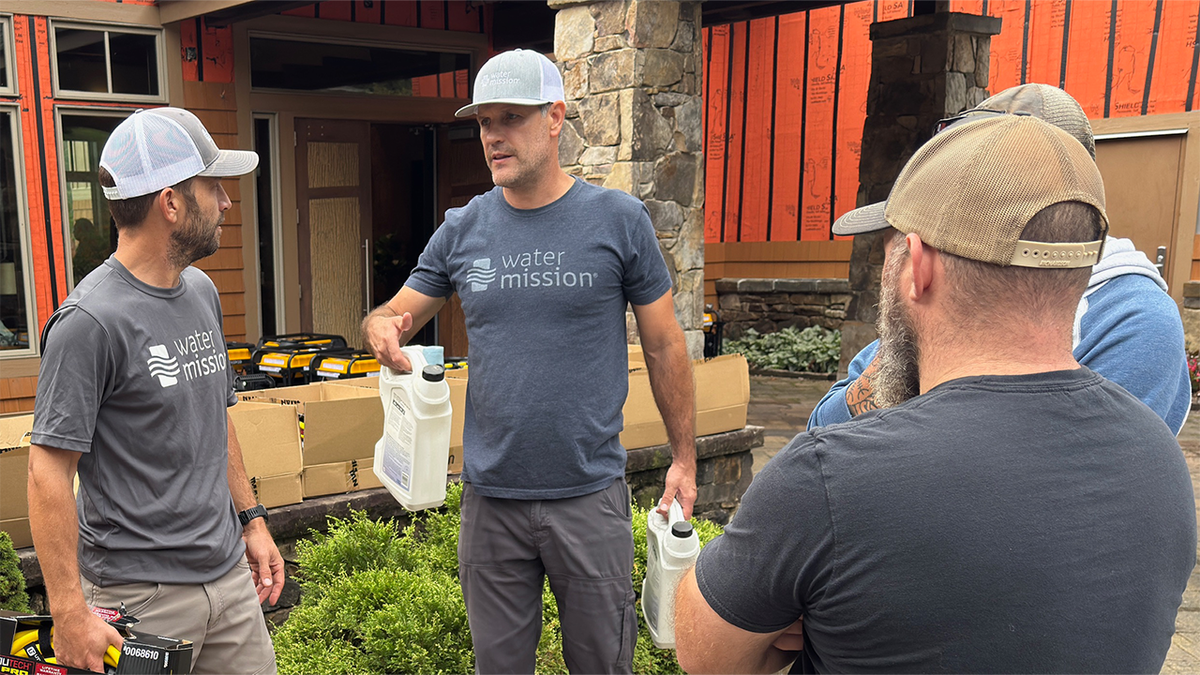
(683,530)
(433,373)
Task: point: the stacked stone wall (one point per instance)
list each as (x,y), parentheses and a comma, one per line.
(770,305)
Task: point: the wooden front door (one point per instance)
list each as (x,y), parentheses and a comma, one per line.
(333,194)
(1142,181)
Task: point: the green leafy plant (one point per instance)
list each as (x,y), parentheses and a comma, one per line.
(814,349)
(379,599)
(12,583)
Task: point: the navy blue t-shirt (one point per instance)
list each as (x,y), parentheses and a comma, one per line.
(1033,523)
(544,292)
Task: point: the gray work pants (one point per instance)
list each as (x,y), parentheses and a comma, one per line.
(584,544)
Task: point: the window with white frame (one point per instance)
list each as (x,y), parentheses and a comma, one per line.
(90,234)
(93,61)
(8,70)
(17,325)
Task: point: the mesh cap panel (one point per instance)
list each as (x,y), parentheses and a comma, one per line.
(972,189)
(155,149)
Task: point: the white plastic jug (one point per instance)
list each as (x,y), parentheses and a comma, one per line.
(671,549)
(411,457)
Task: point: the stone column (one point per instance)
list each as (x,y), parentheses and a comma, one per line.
(632,72)
(923,69)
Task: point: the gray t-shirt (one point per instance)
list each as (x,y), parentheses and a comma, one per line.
(1034,523)
(544,293)
(136,378)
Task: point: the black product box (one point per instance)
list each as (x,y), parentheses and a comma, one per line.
(141,653)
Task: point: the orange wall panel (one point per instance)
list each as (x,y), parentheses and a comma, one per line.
(852,103)
(1134,21)
(756,172)
(716,141)
(1087,55)
(735,152)
(817,190)
(789,120)
(1173,58)
(1045,51)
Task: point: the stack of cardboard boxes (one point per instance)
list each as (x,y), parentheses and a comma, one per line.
(319,439)
(14,462)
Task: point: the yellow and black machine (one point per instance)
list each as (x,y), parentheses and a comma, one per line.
(241,357)
(288,359)
(289,340)
(335,365)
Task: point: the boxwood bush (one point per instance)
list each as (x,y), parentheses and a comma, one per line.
(812,350)
(381,600)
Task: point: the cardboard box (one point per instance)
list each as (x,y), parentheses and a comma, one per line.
(14,464)
(340,477)
(341,422)
(278,490)
(18,529)
(722,397)
(637,359)
(722,394)
(269,434)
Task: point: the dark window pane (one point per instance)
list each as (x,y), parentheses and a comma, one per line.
(134,63)
(93,237)
(318,67)
(81,60)
(3,61)
(14,305)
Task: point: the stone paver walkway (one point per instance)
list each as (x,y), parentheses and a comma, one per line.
(782,406)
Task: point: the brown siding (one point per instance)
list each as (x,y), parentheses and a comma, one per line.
(216,105)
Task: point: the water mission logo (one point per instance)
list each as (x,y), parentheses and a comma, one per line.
(163,366)
(481,274)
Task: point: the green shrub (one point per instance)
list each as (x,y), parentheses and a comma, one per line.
(378,600)
(814,349)
(12,582)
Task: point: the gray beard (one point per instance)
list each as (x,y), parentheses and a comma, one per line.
(898,378)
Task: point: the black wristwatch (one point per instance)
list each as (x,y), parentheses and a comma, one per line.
(256,511)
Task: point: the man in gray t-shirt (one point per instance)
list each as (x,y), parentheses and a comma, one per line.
(132,396)
(545,266)
(1020,513)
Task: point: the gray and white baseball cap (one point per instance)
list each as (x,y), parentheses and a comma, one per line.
(518,77)
(157,148)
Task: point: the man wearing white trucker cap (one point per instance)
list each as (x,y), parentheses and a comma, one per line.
(131,397)
(545,265)
(1019,514)
(1126,326)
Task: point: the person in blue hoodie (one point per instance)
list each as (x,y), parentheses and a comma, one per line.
(1126,326)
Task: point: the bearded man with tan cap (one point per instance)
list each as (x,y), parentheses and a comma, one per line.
(1126,326)
(1020,513)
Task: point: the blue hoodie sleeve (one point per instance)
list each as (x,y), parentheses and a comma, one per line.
(832,408)
(1131,334)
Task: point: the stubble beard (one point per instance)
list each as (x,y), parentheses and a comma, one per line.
(898,378)
(197,239)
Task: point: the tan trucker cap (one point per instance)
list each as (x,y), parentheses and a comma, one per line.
(971,190)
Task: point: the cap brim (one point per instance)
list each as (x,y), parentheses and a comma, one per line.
(469,110)
(864,219)
(231,163)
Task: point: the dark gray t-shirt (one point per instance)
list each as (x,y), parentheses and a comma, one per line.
(1034,523)
(136,378)
(544,293)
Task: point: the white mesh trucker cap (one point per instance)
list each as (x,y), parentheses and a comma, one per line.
(518,77)
(157,148)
